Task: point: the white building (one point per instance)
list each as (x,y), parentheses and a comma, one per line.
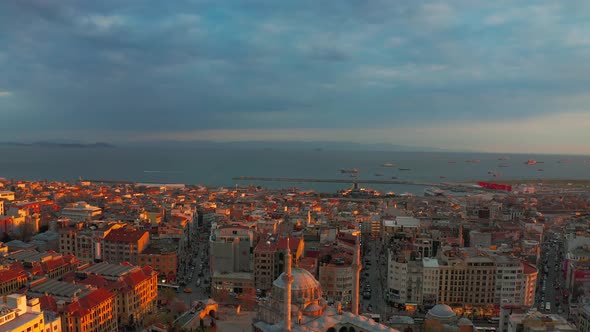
(7,195)
(510,281)
(81,211)
(430,281)
(17,315)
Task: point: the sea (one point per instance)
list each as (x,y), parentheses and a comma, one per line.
(218,167)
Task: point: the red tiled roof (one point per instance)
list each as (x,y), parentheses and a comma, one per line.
(9,275)
(95,280)
(53,264)
(293,243)
(135,278)
(48,302)
(125,235)
(95,298)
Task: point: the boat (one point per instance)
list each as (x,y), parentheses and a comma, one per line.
(503,158)
(388,165)
(473,161)
(378,174)
(496,175)
(442,177)
(349,171)
(394,177)
(431,192)
(540,170)
(531,162)
(405,169)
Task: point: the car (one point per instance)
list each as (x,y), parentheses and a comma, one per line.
(188,290)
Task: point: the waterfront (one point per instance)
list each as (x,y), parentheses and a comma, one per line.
(217,167)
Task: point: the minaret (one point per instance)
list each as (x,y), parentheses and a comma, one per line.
(288,278)
(356,267)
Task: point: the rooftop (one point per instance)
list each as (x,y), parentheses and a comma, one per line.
(109,270)
(60,288)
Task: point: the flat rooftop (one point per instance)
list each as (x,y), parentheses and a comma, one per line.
(61,289)
(109,270)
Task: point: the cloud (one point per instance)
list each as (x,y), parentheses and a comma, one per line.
(5,93)
(524,136)
(576,37)
(223,65)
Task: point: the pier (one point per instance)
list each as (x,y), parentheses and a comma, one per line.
(350,181)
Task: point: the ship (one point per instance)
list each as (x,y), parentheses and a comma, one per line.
(531,162)
(388,165)
(430,192)
(503,158)
(349,171)
(378,174)
(405,169)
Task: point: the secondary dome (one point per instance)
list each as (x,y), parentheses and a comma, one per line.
(302,280)
(441,311)
(464,321)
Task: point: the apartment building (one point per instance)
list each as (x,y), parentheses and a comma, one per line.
(85,240)
(81,307)
(269,260)
(17,315)
(80,211)
(135,289)
(337,279)
(124,245)
(11,280)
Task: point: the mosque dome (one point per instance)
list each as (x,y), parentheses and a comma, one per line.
(305,290)
(302,280)
(464,321)
(441,311)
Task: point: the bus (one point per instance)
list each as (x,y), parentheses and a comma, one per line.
(176,288)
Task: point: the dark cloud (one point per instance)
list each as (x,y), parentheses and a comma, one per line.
(183,65)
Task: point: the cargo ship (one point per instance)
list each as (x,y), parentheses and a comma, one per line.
(531,162)
(349,171)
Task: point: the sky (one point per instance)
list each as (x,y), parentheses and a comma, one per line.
(496,76)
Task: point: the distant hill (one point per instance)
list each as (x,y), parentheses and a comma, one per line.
(59,145)
(293,145)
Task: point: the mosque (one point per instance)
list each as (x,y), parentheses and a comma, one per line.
(296,304)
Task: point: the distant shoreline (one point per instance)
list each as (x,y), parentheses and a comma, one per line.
(565,182)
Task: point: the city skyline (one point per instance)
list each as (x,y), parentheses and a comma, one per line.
(507,76)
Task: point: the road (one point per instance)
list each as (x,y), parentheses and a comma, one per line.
(550,277)
(196,271)
(374,274)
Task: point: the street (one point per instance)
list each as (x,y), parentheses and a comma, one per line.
(194,271)
(373,280)
(550,278)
